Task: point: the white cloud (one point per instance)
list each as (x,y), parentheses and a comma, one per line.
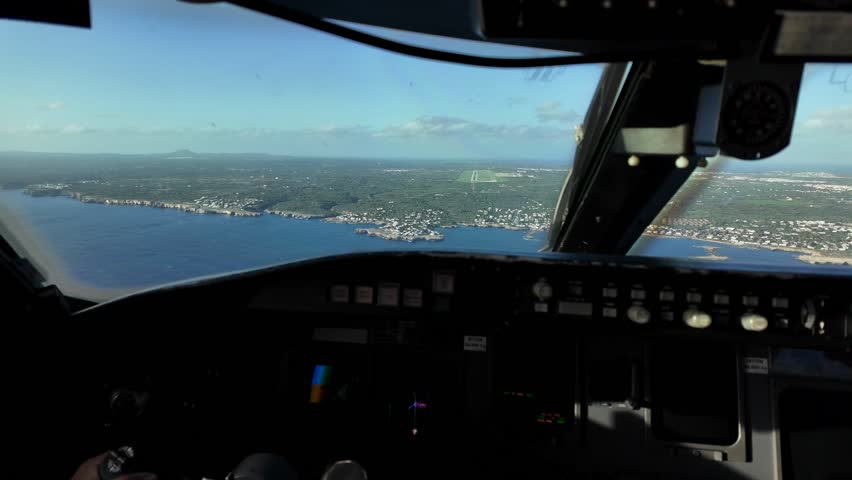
(55,105)
(428,126)
(73,128)
(814,123)
(423,127)
(31,128)
(442,126)
(552,112)
(561,117)
(549,106)
(338,130)
(248,132)
(831,119)
(36,128)
(253,132)
(157,130)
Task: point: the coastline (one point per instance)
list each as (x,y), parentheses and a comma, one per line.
(378,231)
(298,215)
(184,207)
(490,225)
(25,233)
(812,257)
(387,235)
(712,254)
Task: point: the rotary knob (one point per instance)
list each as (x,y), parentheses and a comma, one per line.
(697,319)
(639,314)
(542,290)
(754,322)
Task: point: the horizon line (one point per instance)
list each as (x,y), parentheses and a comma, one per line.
(193,152)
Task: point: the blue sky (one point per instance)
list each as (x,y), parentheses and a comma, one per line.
(162,75)
(822,132)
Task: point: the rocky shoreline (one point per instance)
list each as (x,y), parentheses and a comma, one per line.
(806,256)
(712,254)
(380,231)
(299,215)
(819,259)
(492,225)
(184,207)
(389,235)
(812,257)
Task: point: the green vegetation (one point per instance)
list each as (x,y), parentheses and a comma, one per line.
(478,176)
(801,211)
(408,199)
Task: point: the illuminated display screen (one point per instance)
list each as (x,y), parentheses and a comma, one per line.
(518,394)
(550,418)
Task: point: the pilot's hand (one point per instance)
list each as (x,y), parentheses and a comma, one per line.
(89,471)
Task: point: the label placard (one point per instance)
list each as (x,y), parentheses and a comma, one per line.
(756,365)
(473,343)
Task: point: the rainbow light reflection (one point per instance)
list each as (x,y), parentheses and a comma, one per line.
(319,382)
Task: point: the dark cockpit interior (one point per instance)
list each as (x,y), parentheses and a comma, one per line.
(577,362)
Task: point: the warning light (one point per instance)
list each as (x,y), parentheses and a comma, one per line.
(550,418)
(518,394)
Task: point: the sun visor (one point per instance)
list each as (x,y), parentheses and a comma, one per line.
(814,34)
(74,13)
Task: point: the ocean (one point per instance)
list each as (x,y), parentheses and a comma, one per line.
(127,247)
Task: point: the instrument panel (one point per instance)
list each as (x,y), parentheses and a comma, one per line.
(506,366)
(584,292)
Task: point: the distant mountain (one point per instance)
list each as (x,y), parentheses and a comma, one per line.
(184,153)
(181,153)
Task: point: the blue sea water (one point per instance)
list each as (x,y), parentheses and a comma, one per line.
(112,246)
(108,246)
(689,248)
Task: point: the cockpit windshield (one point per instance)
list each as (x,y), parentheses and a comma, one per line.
(789,210)
(175,140)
